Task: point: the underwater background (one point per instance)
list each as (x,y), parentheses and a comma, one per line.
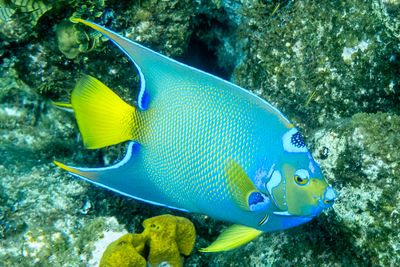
(332,67)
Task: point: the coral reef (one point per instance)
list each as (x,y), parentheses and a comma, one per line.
(320,61)
(18,18)
(365,163)
(332,68)
(44,218)
(165,237)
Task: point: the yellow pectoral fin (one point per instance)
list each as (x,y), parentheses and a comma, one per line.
(103,118)
(239,184)
(233,237)
(242,189)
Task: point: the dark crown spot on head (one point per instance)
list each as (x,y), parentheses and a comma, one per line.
(297,140)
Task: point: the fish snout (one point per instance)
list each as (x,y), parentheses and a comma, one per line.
(329,197)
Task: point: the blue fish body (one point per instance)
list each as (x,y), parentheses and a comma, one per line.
(200,144)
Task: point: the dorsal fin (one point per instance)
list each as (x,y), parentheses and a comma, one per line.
(152,66)
(140,56)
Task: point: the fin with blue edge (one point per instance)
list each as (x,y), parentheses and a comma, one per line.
(140,56)
(233,237)
(126,178)
(242,189)
(156,69)
(103,118)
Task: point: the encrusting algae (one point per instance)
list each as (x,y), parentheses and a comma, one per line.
(164,239)
(73,40)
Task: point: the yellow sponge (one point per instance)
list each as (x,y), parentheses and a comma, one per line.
(126,251)
(164,239)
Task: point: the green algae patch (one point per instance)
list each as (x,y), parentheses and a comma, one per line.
(71,39)
(321,60)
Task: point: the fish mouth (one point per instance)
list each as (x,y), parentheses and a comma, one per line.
(328,198)
(329,201)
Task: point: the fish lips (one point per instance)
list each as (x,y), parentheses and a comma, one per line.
(328,199)
(324,202)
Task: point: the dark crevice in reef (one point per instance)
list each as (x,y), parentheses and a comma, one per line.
(206,43)
(201,56)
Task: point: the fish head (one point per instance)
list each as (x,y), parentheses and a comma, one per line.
(307,192)
(297,184)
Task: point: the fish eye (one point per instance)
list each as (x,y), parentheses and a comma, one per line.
(301,177)
(300,180)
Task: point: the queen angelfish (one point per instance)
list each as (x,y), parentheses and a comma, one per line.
(200,144)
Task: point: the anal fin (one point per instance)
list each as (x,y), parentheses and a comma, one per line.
(127,177)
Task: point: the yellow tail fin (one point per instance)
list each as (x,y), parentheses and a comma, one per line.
(103,118)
